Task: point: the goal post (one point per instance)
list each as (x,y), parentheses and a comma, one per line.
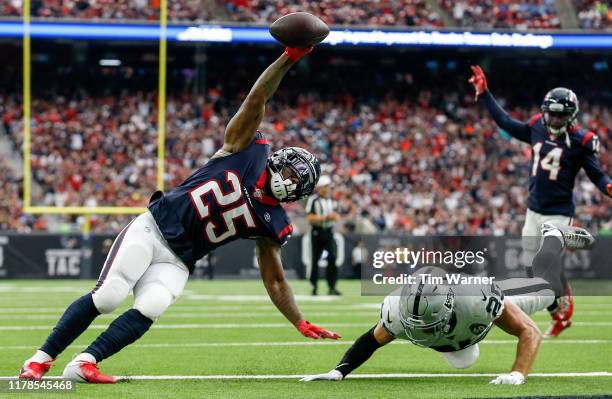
(27,138)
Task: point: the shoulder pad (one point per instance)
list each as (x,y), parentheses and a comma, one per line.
(591,142)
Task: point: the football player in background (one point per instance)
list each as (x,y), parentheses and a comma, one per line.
(560,148)
(237,194)
(453,318)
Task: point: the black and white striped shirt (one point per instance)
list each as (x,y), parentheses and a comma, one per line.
(320,206)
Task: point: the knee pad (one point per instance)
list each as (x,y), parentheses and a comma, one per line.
(111,294)
(464,358)
(153,300)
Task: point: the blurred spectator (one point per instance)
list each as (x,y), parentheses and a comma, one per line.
(594,14)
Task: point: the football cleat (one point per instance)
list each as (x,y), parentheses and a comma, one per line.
(561,317)
(34,371)
(81,371)
(556,327)
(573,237)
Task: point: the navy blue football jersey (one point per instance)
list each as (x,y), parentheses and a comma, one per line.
(222,201)
(554,164)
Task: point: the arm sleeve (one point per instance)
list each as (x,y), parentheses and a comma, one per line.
(358,353)
(517,129)
(592,168)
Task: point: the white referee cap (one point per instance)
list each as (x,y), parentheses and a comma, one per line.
(324,181)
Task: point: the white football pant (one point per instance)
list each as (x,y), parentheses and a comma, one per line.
(140,261)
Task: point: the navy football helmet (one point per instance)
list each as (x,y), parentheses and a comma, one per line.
(560,102)
(294,173)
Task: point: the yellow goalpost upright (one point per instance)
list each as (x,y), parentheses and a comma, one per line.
(27,112)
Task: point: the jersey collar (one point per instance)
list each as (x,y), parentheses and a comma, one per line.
(260,194)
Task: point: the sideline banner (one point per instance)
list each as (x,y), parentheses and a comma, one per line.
(62,256)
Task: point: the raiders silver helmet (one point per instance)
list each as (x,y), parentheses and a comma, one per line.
(426,308)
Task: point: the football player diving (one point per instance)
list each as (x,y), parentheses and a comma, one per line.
(560,148)
(237,194)
(453,318)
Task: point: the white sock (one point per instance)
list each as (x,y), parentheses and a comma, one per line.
(40,357)
(85,357)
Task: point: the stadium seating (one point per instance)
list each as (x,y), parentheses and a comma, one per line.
(520,15)
(343,12)
(178,10)
(478,14)
(429,167)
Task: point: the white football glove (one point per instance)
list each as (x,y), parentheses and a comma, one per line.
(333,375)
(514,378)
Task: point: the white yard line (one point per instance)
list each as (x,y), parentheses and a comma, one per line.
(209,308)
(310,306)
(197,315)
(231,314)
(351,376)
(250,325)
(316,343)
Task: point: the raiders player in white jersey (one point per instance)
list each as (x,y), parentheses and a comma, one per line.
(452,319)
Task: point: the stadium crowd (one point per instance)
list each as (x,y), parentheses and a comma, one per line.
(477,14)
(178,10)
(436,164)
(338,12)
(503,14)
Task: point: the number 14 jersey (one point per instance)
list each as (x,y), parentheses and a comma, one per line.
(554,166)
(222,201)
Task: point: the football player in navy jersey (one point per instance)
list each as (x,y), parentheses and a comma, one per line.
(237,194)
(560,148)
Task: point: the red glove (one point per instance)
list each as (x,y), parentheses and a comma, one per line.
(609,188)
(315,332)
(295,54)
(478,80)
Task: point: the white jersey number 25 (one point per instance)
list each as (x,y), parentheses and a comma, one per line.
(229,201)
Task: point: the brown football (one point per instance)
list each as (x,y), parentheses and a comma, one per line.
(299,29)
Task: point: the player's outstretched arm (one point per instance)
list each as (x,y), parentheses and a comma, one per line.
(279,290)
(356,355)
(517,129)
(516,322)
(242,127)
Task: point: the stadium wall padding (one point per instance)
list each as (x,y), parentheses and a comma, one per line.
(48,256)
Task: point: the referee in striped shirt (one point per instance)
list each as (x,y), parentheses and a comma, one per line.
(321,214)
